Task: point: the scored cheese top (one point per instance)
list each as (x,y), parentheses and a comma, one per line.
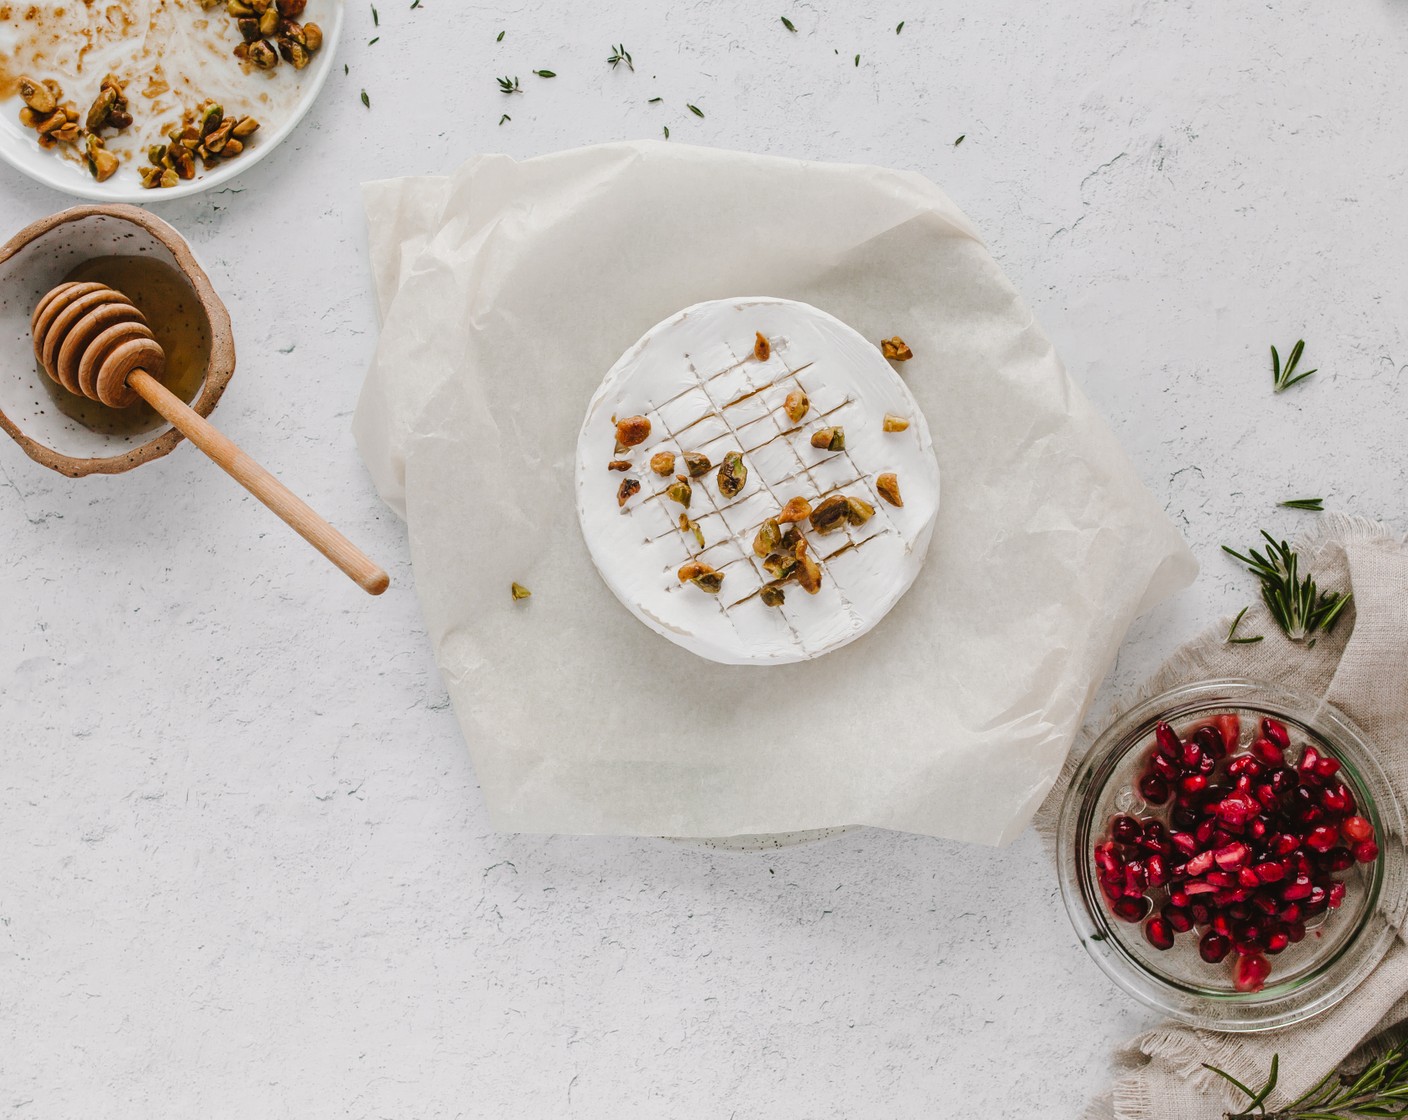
(696,379)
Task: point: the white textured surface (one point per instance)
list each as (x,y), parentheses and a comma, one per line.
(243,865)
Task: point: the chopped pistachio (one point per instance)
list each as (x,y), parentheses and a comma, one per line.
(681,491)
(702,575)
(796,509)
(629,489)
(830,515)
(688,526)
(887,486)
(518,591)
(858,512)
(808,573)
(619,465)
(780,565)
(40,97)
(769,537)
(829,439)
(762,348)
(796,405)
(895,423)
(632,430)
(663,462)
(792,538)
(895,349)
(732,474)
(696,463)
(772,594)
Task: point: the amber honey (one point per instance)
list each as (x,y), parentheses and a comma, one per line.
(174,314)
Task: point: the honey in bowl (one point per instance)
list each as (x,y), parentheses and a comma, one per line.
(174,314)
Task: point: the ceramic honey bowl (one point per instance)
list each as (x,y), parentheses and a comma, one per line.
(146,258)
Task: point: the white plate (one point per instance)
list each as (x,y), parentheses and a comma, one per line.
(19,149)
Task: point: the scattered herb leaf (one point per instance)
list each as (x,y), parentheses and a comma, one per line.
(653,100)
(503,118)
(1232,639)
(509,85)
(1314,505)
(545,73)
(345,69)
(367,101)
(1100,936)
(499,38)
(373,42)
(1284,377)
(959,140)
(857,60)
(415,4)
(695,109)
(787,23)
(620,54)
(899,27)
(376,19)
(1297,605)
(667,132)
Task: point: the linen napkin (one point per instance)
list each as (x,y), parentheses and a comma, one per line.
(508,289)
(1362,669)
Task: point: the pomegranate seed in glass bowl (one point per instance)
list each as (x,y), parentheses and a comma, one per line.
(1231,854)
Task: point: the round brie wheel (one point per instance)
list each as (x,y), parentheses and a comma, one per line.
(699,379)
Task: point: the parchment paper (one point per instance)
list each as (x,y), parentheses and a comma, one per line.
(509,288)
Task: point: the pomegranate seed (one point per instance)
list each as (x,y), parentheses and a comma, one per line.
(1335,798)
(1156,838)
(1200,864)
(1201,914)
(1268,752)
(1265,903)
(1214,947)
(1131,909)
(1167,741)
(1246,877)
(1295,931)
(1277,940)
(1184,842)
(1178,919)
(1158,875)
(1126,830)
(1165,768)
(1251,973)
(1322,838)
(1284,779)
(1257,828)
(1221,879)
(1339,859)
(1232,857)
(1297,889)
(1291,913)
(1283,845)
(1159,933)
(1203,833)
(1222,924)
(1356,829)
(1183,817)
(1265,792)
(1210,742)
(1319,899)
(1178,899)
(1224,898)
(1336,895)
(1136,878)
(1248,937)
(1308,760)
(1153,789)
(1245,765)
(1191,755)
(1194,783)
(1197,886)
(1270,871)
(1327,767)
(1208,763)
(1236,808)
(1230,724)
(1366,851)
(1276,732)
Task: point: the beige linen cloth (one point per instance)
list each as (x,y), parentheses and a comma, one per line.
(1361,668)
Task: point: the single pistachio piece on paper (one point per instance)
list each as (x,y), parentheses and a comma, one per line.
(702,575)
(829,439)
(680,491)
(796,405)
(629,489)
(518,591)
(887,486)
(895,423)
(768,539)
(732,474)
(895,349)
(696,464)
(762,348)
(663,462)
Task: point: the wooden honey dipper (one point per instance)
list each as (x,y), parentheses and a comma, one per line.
(95,343)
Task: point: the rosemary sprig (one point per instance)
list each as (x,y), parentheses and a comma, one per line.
(1380,1089)
(1297,605)
(1233,640)
(1314,505)
(509,85)
(620,54)
(1283,377)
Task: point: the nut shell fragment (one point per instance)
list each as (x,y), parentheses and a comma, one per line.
(887,486)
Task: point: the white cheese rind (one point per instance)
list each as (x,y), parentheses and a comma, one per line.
(695,377)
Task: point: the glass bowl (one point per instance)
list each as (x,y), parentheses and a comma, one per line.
(1340,947)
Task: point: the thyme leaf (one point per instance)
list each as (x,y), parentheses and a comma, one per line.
(787,23)
(959,140)
(620,54)
(899,27)
(367,101)
(509,85)
(695,109)
(1314,505)
(545,73)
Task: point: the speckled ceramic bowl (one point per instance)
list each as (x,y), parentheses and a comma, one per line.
(45,254)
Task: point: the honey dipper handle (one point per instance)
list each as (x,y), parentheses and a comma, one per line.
(259,482)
